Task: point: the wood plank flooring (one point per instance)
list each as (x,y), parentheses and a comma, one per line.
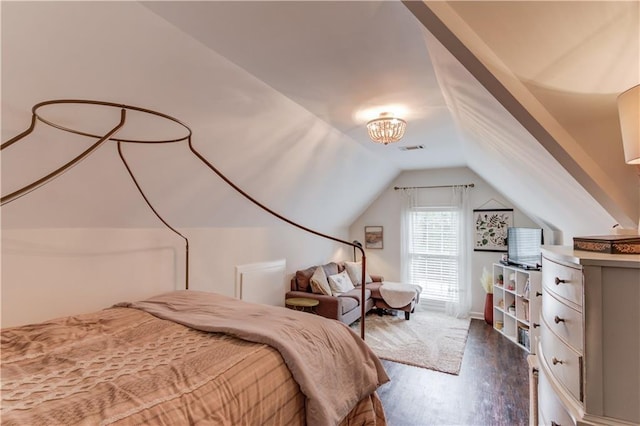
(492,388)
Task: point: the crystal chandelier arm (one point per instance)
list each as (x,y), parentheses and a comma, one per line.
(386,128)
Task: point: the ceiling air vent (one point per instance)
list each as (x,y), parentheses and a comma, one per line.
(410,148)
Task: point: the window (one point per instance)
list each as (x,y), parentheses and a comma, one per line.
(433,253)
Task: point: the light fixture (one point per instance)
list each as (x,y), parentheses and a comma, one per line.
(629,112)
(386,128)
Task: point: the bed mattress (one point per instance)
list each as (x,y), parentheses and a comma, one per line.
(126,366)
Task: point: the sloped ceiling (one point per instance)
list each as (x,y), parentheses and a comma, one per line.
(343,61)
(557,68)
(122,52)
(277,94)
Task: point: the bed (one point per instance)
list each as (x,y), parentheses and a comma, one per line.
(184,357)
(189,357)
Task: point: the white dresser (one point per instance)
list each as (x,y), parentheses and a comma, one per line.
(588,356)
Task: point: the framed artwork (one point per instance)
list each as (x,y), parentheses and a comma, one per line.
(491,229)
(373,237)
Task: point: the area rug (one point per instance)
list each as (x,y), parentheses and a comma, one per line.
(429,339)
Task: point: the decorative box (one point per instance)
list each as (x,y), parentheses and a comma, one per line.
(611,244)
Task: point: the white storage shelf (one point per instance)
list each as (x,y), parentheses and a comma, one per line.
(516,304)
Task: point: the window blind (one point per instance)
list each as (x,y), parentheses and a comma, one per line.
(433,252)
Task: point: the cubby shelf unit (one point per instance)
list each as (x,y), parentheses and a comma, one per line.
(516,304)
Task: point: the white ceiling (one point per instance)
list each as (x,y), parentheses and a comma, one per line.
(341,60)
(277,93)
(345,62)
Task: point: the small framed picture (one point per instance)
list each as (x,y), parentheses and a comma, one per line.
(373,237)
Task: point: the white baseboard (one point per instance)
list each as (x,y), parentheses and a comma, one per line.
(477,315)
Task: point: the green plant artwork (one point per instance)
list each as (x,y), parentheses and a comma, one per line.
(491,229)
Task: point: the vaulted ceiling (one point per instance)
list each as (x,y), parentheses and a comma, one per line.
(277,95)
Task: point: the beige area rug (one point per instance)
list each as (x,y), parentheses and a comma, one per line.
(430,340)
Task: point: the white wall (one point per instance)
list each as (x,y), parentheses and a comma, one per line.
(48,273)
(298,165)
(385,211)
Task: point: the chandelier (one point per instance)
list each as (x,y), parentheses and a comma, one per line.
(386,128)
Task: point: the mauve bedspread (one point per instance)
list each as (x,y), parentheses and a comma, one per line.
(333,367)
(126,366)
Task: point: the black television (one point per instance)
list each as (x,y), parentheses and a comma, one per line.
(524,247)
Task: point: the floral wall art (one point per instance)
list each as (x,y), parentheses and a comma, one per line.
(491,229)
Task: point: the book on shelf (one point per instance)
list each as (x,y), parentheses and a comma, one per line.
(523,336)
(525,308)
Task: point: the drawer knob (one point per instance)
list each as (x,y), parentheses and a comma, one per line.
(556,361)
(555,424)
(559,281)
(535,325)
(538,294)
(558,320)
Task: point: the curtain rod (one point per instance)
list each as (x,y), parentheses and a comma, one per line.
(468,185)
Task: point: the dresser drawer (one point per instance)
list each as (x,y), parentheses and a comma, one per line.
(564,321)
(563,281)
(550,409)
(564,362)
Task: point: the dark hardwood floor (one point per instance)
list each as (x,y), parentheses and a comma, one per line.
(492,388)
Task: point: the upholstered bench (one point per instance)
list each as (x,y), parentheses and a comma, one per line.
(395,296)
